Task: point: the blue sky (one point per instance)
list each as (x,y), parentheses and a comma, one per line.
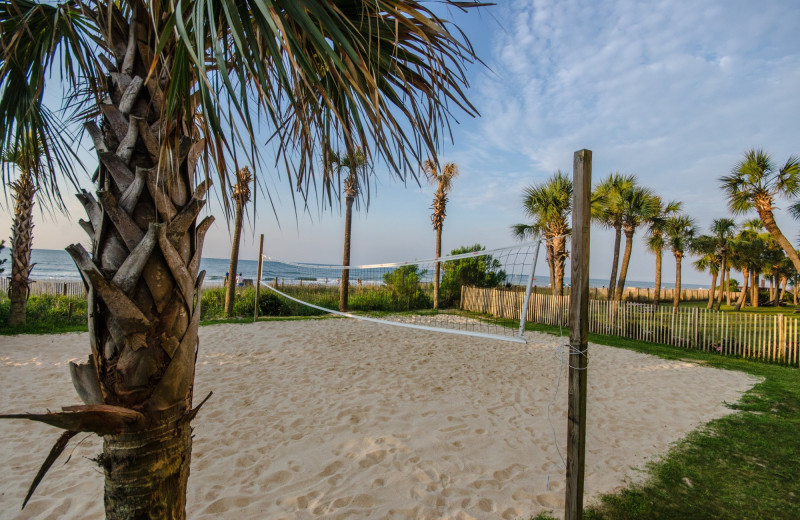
(673,91)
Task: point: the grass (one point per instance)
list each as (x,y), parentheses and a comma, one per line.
(786,310)
(743,466)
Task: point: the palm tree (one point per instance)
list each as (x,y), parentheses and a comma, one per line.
(723,229)
(443,182)
(160,91)
(706,246)
(746,255)
(679,231)
(24,191)
(608,211)
(755,183)
(549,206)
(638,205)
(655,238)
(240,195)
(352,162)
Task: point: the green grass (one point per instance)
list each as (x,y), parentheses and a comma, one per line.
(786,310)
(743,466)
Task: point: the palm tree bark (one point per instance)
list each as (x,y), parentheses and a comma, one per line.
(742,295)
(710,303)
(21,246)
(626,258)
(754,288)
(765,212)
(677,296)
(344,288)
(437,268)
(723,283)
(230,289)
(560,255)
(612,284)
(657,291)
(144,281)
(727,286)
(783,282)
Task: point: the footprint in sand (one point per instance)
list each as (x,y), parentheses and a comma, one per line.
(372,458)
(548,500)
(278,478)
(331,468)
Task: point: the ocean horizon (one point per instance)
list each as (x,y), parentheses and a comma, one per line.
(56,264)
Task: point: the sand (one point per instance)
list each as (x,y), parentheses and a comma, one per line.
(342,419)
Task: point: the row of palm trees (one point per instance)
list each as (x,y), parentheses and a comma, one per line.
(621,204)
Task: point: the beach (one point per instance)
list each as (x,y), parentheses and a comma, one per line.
(337,418)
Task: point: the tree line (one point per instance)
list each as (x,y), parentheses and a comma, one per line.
(755,247)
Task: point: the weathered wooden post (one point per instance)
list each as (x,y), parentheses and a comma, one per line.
(258,276)
(578,333)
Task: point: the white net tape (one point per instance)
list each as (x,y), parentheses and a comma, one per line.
(402,293)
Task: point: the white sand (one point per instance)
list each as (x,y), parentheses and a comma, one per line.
(342,419)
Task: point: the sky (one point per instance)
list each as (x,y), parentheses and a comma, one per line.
(674,92)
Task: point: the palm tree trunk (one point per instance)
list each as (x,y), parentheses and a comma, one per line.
(21,246)
(144,282)
(152,463)
(677,296)
(230,290)
(742,295)
(626,258)
(754,288)
(552,265)
(657,291)
(713,288)
(728,286)
(612,284)
(723,285)
(783,282)
(769,222)
(344,288)
(559,249)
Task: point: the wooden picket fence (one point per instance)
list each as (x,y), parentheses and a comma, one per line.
(39,287)
(772,338)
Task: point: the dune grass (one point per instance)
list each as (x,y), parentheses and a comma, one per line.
(743,466)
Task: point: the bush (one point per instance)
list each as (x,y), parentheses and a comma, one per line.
(47,313)
(479,271)
(403,285)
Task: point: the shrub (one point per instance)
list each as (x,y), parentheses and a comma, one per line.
(479,271)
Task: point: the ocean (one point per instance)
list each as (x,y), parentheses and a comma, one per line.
(56,264)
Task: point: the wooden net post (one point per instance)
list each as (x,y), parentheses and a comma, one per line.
(258,276)
(578,333)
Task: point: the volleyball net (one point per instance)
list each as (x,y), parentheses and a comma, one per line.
(403,293)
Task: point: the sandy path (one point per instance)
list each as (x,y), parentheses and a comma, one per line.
(341,419)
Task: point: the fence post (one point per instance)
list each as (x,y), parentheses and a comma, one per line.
(578,334)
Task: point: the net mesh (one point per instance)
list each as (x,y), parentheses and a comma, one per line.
(402,293)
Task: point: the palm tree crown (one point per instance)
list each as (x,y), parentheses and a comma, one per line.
(756,182)
(548,205)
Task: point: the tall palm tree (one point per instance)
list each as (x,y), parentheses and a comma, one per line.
(679,231)
(723,230)
(240,195)
(23,192)
(755,182)
(548,205)
(706,247)
(353,163)
(655,238)
(639,205)
(160,88)
(443,181)
(608,211)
